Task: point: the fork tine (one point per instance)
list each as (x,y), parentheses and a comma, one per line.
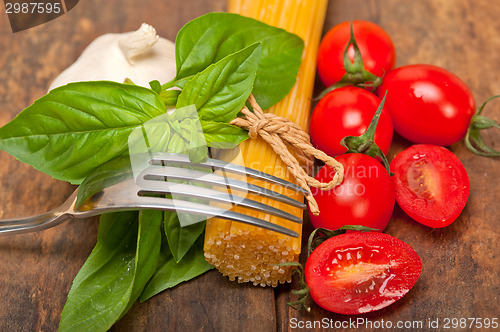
(160,203)
(155,172)
(175,158)
(152,186)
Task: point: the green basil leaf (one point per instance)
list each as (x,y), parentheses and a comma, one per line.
(148,251)
(77,127)
(198,149)
(188,134)
(169,97)
(172,273)
(180,239)
(106,175)
(220,91)
(155,86)
(115,273)
(222,135)
(177,144)
(151,136)
(210,38)
(179,83)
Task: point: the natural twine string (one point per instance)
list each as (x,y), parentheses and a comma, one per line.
(278,132)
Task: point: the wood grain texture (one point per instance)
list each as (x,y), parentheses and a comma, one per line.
(461,262)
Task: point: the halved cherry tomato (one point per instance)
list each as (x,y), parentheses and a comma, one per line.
(431,184)
(365,197)
(428,104)
(375,46)
(348,111)
(356,273)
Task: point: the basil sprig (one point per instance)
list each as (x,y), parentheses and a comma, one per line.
(81,132)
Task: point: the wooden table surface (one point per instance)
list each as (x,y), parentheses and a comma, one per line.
(461,262)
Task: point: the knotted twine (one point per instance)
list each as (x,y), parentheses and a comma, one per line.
(278,132)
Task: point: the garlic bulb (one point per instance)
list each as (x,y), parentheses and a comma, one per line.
(141,56)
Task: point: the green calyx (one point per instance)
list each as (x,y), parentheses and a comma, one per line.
(366,143)
(473,139)
(355,72)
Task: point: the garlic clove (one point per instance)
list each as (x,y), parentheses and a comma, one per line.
(141,56)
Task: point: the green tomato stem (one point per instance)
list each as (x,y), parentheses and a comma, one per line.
(366,143)
(355,72)
(357,65)
(473,139)
(304,290)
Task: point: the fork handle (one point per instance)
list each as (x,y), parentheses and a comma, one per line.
(33,223)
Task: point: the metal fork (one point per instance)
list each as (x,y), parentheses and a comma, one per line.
(142,193)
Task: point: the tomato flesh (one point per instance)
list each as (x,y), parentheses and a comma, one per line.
(431,184)
(358,272)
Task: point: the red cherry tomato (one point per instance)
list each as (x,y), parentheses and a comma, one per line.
(355,273)
(348,111)
(428,104)
(431,184)
(365,197)
(375,46)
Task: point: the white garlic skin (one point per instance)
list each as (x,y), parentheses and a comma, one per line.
(141,56)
